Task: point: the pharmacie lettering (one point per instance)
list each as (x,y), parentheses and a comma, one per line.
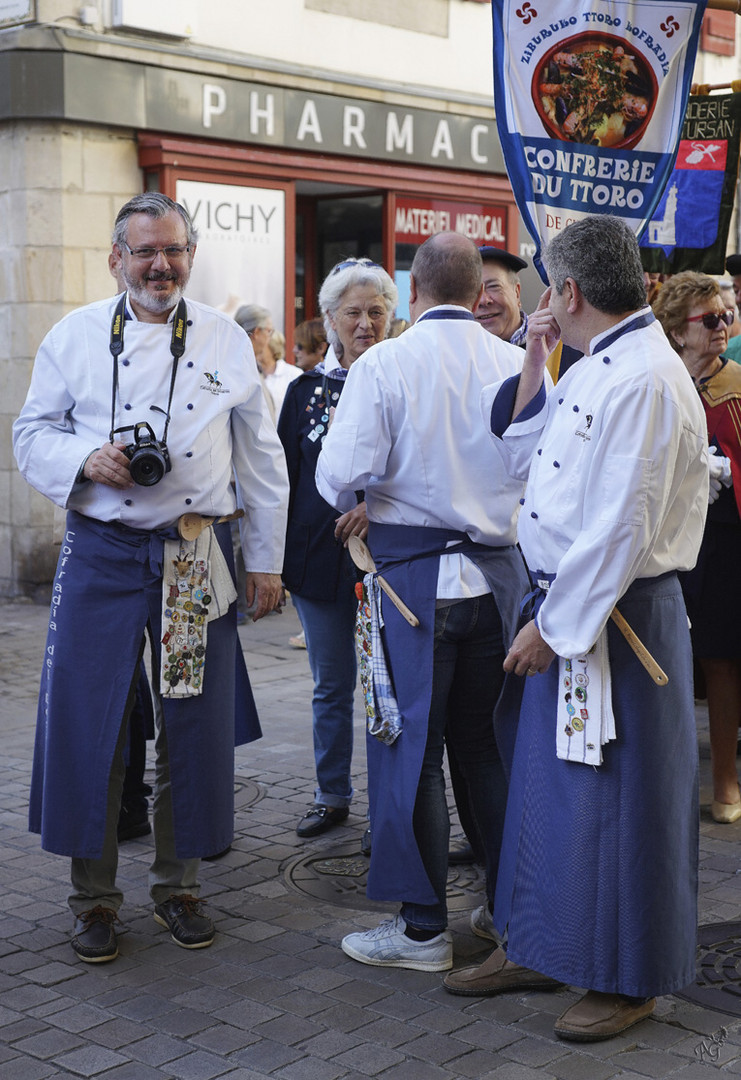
(577,175)
(543,34)
(336,125)
(261,111)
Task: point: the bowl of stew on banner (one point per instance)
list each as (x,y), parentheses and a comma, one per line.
(595,89)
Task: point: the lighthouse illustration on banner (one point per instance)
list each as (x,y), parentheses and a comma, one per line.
(688,213)
(663,231)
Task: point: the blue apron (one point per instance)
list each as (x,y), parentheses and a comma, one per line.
(597,883)
(408,557)
(107,589)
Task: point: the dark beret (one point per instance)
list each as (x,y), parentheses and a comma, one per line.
(514,262)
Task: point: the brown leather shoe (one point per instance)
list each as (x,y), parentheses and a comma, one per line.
(601,1016)
(496,975)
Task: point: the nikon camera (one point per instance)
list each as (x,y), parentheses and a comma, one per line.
(149,457)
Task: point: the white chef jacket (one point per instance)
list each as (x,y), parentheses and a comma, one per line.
(407,431)
(278,381)
(617,469)
(219,424)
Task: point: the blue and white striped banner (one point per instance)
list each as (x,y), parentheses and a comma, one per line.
(590,98)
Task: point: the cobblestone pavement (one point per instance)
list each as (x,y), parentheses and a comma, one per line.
(275,996)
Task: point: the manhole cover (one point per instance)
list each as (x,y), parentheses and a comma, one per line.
(246,792)
(338,876)
(718,983)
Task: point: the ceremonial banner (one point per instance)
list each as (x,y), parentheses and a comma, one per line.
(590,97)
(689,229)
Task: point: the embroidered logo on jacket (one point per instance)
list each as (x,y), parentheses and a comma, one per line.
(583,434)
(214,385)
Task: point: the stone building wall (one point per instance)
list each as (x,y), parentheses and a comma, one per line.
(60,188)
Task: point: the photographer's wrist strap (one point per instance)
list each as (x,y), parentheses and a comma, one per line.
(116,344)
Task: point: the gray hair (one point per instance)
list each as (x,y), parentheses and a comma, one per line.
(447,269)
(250,316)
(342,277)
(601,254)
(155,205)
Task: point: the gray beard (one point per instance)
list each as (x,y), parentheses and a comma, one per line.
(154,302)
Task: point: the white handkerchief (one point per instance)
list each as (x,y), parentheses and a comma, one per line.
(386,723)
(197,587)
(585,720)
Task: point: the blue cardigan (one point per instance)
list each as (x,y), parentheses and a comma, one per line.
(315,563)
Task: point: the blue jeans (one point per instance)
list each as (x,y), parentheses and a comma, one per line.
(329,626)
(466,680)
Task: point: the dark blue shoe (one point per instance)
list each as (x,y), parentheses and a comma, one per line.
(319,818)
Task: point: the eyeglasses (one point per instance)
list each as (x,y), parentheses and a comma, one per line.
(712,319)
(149,254)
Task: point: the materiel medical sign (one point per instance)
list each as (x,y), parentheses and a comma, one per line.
(590,98)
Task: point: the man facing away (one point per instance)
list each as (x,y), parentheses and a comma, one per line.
(598,877)
(144,386)
(442,515)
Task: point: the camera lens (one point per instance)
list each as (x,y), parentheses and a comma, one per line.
(148,458)
(147,467)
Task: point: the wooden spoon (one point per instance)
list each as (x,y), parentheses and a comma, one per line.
(190,526)
(657,673)
(361,556)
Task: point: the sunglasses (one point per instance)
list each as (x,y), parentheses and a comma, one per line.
(364,263)
(712,319)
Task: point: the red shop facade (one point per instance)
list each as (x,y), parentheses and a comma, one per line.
(273,220)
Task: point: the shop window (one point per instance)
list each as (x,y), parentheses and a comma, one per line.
(348,228)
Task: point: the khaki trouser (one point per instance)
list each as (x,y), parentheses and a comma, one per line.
(94,880)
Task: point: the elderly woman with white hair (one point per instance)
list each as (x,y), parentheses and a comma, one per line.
(357,299)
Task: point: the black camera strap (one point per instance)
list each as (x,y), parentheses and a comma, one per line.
(116,344)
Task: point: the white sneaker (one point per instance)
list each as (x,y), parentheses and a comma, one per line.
(388,946)
(483,925)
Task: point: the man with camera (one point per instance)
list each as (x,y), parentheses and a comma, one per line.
(141,410)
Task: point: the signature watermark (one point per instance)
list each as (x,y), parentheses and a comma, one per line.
(710,1047)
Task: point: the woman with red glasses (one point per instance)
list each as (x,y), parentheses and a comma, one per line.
(693,313)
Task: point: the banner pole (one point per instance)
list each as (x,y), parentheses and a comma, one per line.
(706,88)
